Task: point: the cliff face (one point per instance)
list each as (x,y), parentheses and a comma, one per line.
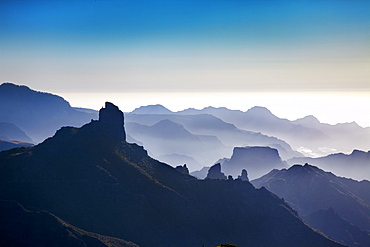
(112,121)
(93,179)
(256,160)
(214,172)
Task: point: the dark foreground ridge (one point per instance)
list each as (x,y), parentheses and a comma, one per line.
(21,227)
(93,179)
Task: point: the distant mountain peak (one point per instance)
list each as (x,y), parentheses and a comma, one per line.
(10,85)
(152,109)
(310,119)
(260,111)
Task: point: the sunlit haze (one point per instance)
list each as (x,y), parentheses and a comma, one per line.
(327,107)
(296,58)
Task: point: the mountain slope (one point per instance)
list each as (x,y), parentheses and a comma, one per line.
(330,223)
(38,114)
(93,179)
(309,189)
(355,165)
(11,132)
(21,227)
(5,145)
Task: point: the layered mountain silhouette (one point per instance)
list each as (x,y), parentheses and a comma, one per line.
(257,161)
(311,192)
(5,145)
(166,139)
(10,132)
(93,179)
(209,128)
(38,114)
(355,165)
(306,135)
(22,227)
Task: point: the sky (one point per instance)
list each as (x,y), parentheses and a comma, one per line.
(296,58)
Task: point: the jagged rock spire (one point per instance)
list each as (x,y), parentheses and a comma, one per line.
(215,172)
(111,117)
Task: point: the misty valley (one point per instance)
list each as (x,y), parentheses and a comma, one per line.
(197,177)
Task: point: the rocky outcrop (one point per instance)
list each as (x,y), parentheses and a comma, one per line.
(244,175)
(215,172)
(183,169)
(112,120)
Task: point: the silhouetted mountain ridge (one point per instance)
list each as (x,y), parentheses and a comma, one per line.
(10,132)
(355,165)
(21,227)
(93,179)
(309,189)
(38,114)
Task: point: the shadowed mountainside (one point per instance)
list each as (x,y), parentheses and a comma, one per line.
(355,165)
(330,223)
(93,179)
(309,189)
(21,227)
(5,145)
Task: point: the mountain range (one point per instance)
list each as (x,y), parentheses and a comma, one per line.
(339,207)
(93,179)
(306,135)
(38,114)
(221,137)
(355,165)
(256,160)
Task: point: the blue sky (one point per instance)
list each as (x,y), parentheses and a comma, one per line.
(186,46)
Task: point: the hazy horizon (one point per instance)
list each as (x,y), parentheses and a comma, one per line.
(296,58)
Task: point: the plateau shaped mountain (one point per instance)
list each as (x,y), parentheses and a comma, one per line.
(306,135)
(93,179)
(10,132)
(355,165)
(22,227)
(256,160)
(309,189)
(38,114)
(330,223)
(152,109)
